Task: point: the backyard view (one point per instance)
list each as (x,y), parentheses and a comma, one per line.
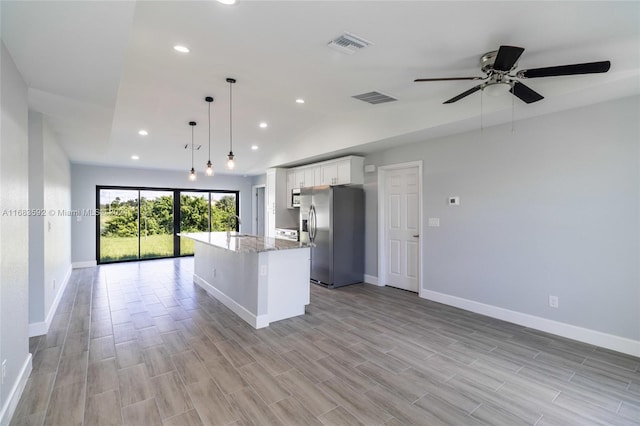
(140,230)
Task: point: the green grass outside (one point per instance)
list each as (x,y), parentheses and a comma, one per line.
(113,249)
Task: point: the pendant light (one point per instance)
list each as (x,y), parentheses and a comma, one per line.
(192,173)
(231,163)
(209,170)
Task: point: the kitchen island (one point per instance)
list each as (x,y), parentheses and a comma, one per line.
(261,279)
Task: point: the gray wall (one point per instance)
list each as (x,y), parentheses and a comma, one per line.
(552,208)
(50,235)
(85,178)
(14,230)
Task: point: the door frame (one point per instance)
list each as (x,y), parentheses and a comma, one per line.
(382,252)
(254,207)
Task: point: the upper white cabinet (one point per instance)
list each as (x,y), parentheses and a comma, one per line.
(342,171)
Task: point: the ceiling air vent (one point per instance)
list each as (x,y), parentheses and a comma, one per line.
(375,98)
(348,43)
(196,147)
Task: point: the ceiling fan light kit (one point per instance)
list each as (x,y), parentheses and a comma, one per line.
(499,68)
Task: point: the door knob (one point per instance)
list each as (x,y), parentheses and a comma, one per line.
(416,236)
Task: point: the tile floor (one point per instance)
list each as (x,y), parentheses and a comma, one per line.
(139,344)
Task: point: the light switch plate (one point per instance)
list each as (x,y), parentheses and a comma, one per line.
(454,201)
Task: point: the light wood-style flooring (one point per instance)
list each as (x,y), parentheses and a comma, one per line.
(140,344)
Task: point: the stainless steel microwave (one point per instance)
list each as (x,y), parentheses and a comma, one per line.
(295,197)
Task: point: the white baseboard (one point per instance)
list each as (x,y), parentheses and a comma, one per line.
(42,327)
(16,392)
(372,279)
(585,335)
(256,321)
(85,264)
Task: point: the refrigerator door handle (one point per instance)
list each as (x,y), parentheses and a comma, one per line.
(312,223)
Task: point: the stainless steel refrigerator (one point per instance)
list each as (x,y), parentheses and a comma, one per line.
(332,219)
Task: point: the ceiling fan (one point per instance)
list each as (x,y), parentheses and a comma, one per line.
(499,67)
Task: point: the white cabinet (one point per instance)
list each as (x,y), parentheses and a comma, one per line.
(275,201)
(301,177)
(270,204)
(342,171)
(291,185)
(309,177)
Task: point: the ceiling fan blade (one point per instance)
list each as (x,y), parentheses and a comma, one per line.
(525,93)
(447,79)
(586,68)
(507,57)
(462,95)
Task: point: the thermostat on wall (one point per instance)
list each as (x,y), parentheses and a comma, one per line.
(454,201)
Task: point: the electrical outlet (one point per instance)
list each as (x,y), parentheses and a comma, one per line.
(263,270)
(4,370)
(54,284)
(215,272)
(553,301)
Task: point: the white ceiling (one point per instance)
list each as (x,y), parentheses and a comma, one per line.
(100,71)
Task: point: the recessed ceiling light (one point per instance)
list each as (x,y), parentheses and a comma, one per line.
(227,1)
(299,101)
(135,157)
(143,132)
(254,147)
(181,49)
(263,125)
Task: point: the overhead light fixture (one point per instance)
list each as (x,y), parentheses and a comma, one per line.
(181,49)
(254,147)
(228,2)
(143,132)
(299,101)
(231,162)
(135,157)
(192,172)
(209,170)
(497,89)
(263,125)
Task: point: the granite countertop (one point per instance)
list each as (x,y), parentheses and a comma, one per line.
(243,243)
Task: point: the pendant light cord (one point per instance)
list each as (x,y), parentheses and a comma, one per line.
(192,147)
(230,117)
(513,106)
(209,131)
(481,112)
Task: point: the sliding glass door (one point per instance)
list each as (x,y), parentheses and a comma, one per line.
(156,224)
(143,223)
(118,225)
(194,217)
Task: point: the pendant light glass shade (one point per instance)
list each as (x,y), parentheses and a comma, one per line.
(209,169)
(192,172)
(231,163)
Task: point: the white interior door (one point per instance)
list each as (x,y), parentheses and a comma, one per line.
(401,228)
